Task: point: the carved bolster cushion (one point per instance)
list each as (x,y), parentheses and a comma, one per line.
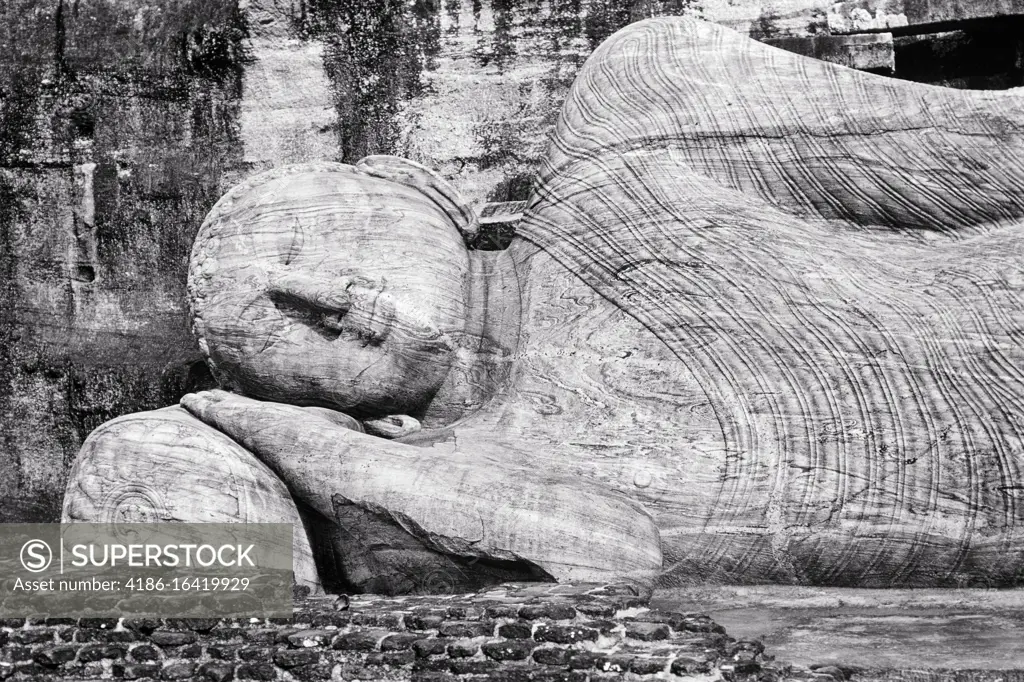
(166,466)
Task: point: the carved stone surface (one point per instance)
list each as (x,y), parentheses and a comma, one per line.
(165,466)
(759,324)
(124,124)
(832,257)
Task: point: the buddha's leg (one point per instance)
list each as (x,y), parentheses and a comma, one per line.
(168,466)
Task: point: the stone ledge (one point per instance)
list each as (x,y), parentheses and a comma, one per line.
(916,16)
(512,632)
(867,52)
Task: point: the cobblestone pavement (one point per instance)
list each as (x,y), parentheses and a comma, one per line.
(509,633)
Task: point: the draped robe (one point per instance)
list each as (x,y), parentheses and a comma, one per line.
(835,257)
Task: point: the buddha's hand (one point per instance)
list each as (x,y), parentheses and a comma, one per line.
(219,404)
(231,413)
(480,504)
(274,432)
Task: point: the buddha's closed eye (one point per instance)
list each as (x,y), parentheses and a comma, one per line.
(355,307)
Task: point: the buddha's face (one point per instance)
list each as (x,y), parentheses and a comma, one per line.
(332,288)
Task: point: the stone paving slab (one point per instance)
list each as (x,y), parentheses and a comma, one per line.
(923,635)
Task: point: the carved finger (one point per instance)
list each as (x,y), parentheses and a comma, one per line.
(238,417)
(393,426)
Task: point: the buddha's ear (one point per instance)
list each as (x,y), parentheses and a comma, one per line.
(427,181)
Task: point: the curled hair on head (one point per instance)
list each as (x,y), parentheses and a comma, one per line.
(430,184)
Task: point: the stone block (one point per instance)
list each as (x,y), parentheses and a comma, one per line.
(323,619)
(216,672)
(431,664)
(472,667)
(224,652)
(685,666)
(424,621)
(647,632)
(463,648)
(585,660)
(391,621)
(311,673)
(648,665)
(143,625)
(55,656)
(304,639)
(164,638)
(254,653)
(597,609)
(433,676)
(359,640)
(98,652)
(509,650)
(496,611)
(552,655)
(400,641)
(36,636)
(547,612)
(178,670)
(516,631)
(430,647)
(466,628)
(564,634)
(397,658)
(291,658)
(256,671)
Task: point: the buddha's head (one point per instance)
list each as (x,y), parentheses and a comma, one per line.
(334,285)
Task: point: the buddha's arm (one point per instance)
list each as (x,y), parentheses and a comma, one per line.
(468,504)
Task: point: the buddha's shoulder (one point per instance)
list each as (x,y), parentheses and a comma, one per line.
(563,312)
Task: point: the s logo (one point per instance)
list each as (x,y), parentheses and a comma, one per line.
(36,556)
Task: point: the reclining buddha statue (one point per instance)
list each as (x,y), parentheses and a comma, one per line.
(762,321)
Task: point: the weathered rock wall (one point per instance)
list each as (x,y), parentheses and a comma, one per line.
(118,131)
